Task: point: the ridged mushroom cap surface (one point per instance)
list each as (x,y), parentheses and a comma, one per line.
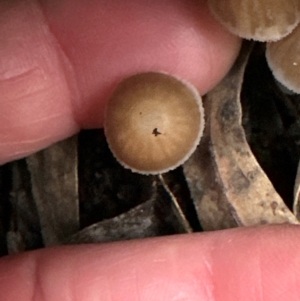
(284,60)
(261,20)
(153,122)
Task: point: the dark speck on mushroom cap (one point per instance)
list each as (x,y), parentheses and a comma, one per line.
(153,122)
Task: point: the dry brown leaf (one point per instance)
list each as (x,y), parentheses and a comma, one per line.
(213,210)
(139,222)
(154,217)
(232,189)
(23,232)
(55,190)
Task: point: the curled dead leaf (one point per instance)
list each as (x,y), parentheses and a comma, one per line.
(53,173)
(230,188)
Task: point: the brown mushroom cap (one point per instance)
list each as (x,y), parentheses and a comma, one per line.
(284,60)
(261,20)
(153,122)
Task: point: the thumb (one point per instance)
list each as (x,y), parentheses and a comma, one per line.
(241,264)
(60,60)
(35,107)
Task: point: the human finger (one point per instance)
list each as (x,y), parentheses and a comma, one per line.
(241,264)
(60,60)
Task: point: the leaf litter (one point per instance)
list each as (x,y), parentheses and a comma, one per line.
(75,192)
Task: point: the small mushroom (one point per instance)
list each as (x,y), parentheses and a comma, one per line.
(284,60)
(153,122)
(261,20)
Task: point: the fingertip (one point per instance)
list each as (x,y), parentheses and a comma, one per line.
(60,61)
(35,103)
(177,37)
(239,264)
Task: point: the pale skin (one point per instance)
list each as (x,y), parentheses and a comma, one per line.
(59,61)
